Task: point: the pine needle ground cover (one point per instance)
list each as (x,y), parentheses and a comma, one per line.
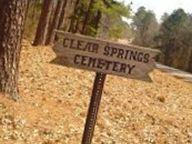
(55,100)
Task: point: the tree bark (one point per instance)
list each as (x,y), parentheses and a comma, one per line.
(43,25)
(87,16)
(73,18)
(62,16)
(55,22)
(13,15)
(97,20)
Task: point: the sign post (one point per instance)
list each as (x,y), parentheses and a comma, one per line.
(93,108)
(103,57)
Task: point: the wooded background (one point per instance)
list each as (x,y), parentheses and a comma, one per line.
(106,19)
(103,18)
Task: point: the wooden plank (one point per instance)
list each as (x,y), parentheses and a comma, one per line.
(83,52)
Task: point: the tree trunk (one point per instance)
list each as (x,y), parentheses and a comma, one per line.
(97,20)
(43,25)
(73,18)
(55,22)
(87,16)
(69,11)
(13,15)
(62,16)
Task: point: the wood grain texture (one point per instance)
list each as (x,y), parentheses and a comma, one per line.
(13,15)
(78,51)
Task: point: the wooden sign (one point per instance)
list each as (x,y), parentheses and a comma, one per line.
(78,51)
(104,57)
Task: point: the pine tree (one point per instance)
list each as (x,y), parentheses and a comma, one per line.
(44,21)
(55,22)
(13,15)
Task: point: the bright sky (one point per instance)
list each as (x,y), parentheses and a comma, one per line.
(161,6)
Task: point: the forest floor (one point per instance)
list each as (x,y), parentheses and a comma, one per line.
(55,100)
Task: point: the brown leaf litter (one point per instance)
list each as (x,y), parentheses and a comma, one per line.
(55,101)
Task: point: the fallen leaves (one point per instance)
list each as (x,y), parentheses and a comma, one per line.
(55,100)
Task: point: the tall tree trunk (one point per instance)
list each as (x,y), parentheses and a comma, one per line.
(87,16)
(43,25)
(13,15)
(78,25)
(73,18)
(69,12)
(55,22)
(97,20)
(62,16)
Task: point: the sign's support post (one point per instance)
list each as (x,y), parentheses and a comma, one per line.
(84,52)
(93,108)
